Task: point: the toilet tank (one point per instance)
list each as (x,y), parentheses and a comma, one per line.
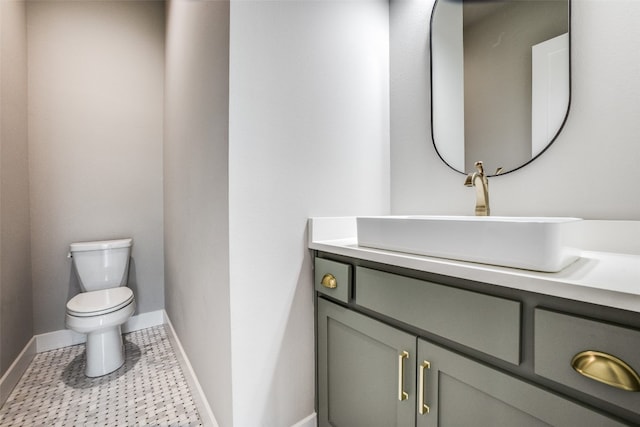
(101,264)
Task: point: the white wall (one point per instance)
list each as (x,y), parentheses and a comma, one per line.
(308,137)
(16,320)
(588,172)
(196,206)
(96,71)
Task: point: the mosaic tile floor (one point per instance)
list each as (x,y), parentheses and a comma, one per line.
(148,390)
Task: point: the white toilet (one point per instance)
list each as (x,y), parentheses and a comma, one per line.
(104,304)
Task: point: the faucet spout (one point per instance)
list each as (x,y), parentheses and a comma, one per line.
(479,180)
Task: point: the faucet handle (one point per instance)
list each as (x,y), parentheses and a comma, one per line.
(469,181)
(499,170)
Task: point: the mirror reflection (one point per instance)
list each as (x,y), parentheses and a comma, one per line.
(500,82)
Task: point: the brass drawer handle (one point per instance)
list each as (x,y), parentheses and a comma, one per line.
(607,369)
(423,408)
(402,395)
(329,281)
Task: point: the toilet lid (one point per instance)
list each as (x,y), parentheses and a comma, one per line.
(96,303)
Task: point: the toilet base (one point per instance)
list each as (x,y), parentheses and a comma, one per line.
(104,351)
(104,347)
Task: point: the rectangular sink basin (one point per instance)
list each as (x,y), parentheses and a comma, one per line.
(531,243)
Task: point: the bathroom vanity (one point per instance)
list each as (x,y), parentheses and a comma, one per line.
(411,340)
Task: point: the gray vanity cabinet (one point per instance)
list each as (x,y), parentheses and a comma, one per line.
(611,352)
(370,375)
(457,391)
(366,371)
(396,350)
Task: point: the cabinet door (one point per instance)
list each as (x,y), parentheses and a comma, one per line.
(461,392)
(366,371)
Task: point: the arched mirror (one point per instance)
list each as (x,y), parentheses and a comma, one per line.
(500,80)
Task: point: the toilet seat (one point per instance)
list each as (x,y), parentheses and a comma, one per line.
(98,303)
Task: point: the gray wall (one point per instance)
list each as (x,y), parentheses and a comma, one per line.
(588,172)
(16,313)
(96,72)
(196,205)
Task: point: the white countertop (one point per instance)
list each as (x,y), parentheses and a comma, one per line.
(606,278)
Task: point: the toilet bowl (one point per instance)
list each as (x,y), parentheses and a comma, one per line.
(105,303)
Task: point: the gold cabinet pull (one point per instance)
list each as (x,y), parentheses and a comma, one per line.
(423,408)
(607,369)
(402,395)
(329,281)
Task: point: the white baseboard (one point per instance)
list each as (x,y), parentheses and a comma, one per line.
(10,379)
(66,337)
(144,321)
(310,421)
(58,339)
(206,414)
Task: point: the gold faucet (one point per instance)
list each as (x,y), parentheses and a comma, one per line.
(479,180)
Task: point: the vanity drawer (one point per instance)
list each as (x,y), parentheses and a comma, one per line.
(482,322)
(560,337)
(333,279)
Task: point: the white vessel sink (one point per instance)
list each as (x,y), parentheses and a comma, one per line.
(541,244)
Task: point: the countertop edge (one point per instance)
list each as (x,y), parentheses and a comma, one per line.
(601,278)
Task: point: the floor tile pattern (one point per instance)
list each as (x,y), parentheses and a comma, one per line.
(148,390)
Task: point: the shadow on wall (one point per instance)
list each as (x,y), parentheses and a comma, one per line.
(74,283)
(133,283)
